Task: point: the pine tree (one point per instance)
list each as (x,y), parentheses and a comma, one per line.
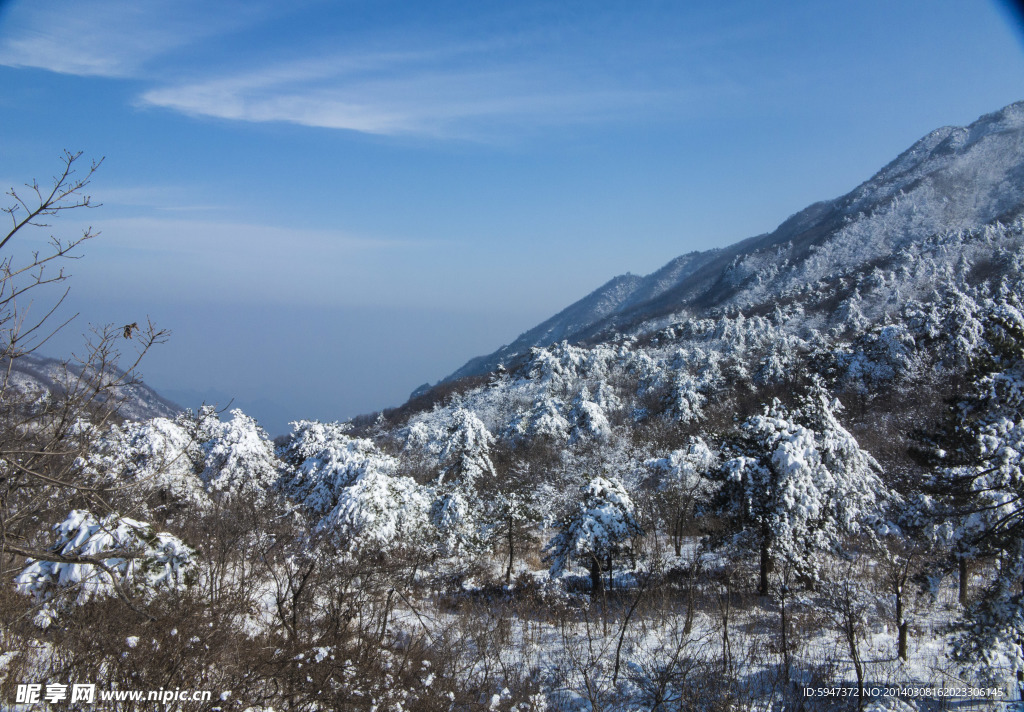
(97,558)
(514,514)
(465,451)
(983,488)
(683,483)
(378,512)
(588,419)
(458,511)
(543,421)
(323,460)
(154,462)
(596,530)
(798,483)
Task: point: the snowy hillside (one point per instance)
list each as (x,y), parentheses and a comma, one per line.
(32,374)
(955,178)
(786,475)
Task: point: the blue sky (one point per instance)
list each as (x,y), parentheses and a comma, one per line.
(330,203)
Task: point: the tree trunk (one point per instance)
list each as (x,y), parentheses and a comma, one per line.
(901,625)
(677,536)
(784,622)
(849,626)
(690,595)
(766,561)
(785,642)
(511,553)
(725,602)
(964,577)
(858,667)
(1020,673)
(596,584)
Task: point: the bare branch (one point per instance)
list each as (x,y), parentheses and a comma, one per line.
(66,194)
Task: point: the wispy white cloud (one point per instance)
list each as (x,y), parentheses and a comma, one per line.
(421,83)
(401,95)
(163,198)
(110,38)
(189,260)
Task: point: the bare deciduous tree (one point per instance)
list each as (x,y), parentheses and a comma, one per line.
(43,432)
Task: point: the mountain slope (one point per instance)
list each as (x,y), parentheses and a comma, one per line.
(955,178)
(36,375)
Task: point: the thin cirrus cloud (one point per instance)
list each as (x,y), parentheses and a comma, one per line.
(108,38)
(199,237)
(422,85)
(404,98)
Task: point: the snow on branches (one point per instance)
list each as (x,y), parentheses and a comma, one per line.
(379,511)
(97,558)
(157,457)
(350,489)
(238,457)
(465,451)
(324,461)
(597,528)
(799,483)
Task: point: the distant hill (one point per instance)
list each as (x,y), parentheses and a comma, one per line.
(38,374)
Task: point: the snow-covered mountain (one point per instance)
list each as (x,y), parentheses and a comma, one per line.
(38,375)
(830,416)
(953,179)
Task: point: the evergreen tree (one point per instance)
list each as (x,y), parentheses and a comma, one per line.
(797,483)
(379,512)
(238,457)
(682,484)
(982,487)
(323,460)
(514,514)
(153,461)
(596,529)
(543,421)
(465,452)
(97,558)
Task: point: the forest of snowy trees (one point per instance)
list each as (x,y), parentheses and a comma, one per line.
(813,499)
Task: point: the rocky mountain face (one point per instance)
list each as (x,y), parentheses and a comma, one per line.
(954,179)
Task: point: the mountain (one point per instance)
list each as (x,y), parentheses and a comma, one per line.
(953,179)
(34,374)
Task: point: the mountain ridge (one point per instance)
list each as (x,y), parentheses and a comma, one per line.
(33,374)
(955,177)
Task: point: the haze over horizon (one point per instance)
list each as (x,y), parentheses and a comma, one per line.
(331,203)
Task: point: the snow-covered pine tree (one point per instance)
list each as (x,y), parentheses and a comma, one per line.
(596,529)
(97,558)
(682,484)
(350,490)
(323,460)
(151,463)
(514,514)
(465,452)
(589,421)
(797,483)
(458,510)
(984,488)
(544,421)
(379,512)
(457,522)
(238,457)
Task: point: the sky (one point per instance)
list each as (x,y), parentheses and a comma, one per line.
(329,204)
